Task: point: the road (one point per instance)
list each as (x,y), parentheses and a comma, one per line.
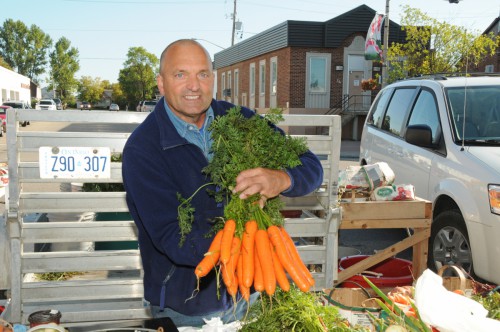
(364,241)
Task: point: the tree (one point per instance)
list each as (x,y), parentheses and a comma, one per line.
(90,89)
(138,77)
(4,64)
(436,47)
(63,66)
(24,49)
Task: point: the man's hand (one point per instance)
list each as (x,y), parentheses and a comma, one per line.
(268,183)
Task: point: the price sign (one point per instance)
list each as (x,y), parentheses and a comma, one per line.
(74,162)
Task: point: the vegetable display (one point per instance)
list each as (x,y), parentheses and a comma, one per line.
(251,246)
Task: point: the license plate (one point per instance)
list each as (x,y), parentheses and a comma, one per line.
(74,162)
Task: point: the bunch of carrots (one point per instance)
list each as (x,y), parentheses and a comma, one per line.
(260,257)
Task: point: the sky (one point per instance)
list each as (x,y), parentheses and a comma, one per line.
(104,30)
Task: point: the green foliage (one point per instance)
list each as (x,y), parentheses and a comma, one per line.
(294,311)
(239,144)
(436,47)
(491,302)
(64,64)
(24,49)
(138,77)
(90,89)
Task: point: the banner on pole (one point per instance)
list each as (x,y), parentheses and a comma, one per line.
(373,44)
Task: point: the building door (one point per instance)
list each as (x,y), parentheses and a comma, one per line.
(318,80)
(359,99)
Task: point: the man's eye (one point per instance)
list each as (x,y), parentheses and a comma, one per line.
(179,75)
(204,75)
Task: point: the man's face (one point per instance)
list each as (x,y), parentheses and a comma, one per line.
(187,81)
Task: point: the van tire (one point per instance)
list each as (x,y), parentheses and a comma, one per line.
(449,242)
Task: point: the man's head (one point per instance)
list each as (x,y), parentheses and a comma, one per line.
(186,79)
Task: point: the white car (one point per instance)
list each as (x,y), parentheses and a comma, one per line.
(443,136)
(148,106)
(47,104)
(114,107)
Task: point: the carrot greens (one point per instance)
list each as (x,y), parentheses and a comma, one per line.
(241,143)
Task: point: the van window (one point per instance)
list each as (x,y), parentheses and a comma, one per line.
(425,112)
(397,110)
(377,113)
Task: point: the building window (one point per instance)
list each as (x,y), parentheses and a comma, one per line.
(273,83)
(236,83)
(489,69)
(223,83)
(262,77)
(252,79)
(317,74)
(229,80)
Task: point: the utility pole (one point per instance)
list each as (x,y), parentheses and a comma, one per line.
(386,45)
(234,23)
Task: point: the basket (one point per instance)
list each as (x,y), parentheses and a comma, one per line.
(458,282)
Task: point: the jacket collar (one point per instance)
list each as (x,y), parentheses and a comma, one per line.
(169,137)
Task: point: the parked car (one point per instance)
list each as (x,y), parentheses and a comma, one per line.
(85,105)
(18,104)
(59,103)
(443,136)
(148,105)
(46,104)
(114,107)
(3,119)
(139,106)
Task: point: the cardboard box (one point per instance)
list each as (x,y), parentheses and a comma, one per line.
(354,304)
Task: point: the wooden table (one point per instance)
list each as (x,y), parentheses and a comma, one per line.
(416,215)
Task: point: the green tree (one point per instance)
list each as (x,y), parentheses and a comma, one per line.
(118,95)
(64,64)
(436,47)
(90,89)
(138,77)
(4,64)
(25,50)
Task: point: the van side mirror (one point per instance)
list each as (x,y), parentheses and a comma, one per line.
(420,135)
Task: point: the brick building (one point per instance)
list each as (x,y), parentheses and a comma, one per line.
(491,64)
(305,67)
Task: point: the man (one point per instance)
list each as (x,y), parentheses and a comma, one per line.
(164,157)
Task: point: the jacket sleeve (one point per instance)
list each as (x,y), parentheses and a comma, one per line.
(152,201)
(305,178)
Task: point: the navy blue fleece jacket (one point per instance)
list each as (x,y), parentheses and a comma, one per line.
(158,164)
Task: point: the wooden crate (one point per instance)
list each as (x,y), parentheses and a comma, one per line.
(416,215)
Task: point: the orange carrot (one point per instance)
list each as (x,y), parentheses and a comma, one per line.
(247,251)
(232,264)
(258,280)
(227,240)
(294,253)
(286,260)
(211,257)
(266,261)
(229,280)
(244,291)
(281,277)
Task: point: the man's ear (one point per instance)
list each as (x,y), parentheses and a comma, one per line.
(159,83)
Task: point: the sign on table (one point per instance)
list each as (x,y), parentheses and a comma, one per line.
(74,162)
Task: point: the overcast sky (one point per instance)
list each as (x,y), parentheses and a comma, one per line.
(104,30)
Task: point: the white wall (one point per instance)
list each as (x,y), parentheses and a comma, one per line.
(14,86)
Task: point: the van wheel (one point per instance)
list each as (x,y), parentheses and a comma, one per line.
(449,242)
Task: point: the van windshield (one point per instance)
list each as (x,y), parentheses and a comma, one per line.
(475,112)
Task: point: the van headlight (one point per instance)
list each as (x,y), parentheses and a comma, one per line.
(494,194)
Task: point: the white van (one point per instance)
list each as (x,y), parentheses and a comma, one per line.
(442,135)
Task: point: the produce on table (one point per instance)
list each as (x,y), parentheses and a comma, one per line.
(252,237)
(295,311)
